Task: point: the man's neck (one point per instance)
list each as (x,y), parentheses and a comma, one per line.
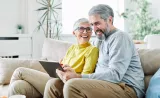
(112,28)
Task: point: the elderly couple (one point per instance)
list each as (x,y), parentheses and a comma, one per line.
(110,68)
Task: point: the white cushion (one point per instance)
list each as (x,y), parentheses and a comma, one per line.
(152,41)
(54,50)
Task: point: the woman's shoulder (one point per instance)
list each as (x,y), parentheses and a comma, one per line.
(91,47)
(72,46)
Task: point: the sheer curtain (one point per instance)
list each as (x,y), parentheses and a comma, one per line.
(75,9)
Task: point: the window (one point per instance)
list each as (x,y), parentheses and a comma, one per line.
(75,9)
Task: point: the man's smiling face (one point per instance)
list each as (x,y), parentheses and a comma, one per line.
(99,25)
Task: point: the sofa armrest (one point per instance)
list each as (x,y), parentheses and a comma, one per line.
(7,67)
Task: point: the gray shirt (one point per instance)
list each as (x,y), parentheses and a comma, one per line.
(119,62)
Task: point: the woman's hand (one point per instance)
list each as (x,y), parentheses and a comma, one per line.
(68,73)
(60,62)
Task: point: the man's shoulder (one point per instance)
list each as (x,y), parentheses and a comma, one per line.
(119,35)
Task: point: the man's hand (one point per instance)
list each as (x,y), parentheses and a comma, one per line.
(68,73)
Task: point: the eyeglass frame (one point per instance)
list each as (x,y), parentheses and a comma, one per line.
(87,30)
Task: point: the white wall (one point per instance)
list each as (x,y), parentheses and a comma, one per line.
(38,37)
(12,13)
(155,9)
(79,12)
(23,11)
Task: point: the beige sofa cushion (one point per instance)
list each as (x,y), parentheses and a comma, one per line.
(150,60)
(7,67)
(54,49)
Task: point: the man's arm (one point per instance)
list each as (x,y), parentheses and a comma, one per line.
(120,53)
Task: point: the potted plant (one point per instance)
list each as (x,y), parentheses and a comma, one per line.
(140,19)
(49,20)
(19,29)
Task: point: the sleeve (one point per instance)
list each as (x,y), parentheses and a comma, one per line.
(90,61)
(120,53)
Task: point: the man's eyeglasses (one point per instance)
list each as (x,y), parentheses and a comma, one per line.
(81,29)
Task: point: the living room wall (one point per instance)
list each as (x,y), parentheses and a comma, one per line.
(13,12)
(23,11)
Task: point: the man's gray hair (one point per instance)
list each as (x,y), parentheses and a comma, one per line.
(103,10)
(78,22)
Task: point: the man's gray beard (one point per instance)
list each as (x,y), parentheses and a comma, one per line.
(101,37)
(106,32)
(99,40)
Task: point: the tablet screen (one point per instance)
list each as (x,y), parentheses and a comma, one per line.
(51,67)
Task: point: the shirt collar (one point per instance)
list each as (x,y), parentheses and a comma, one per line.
(110,33)
(84,45)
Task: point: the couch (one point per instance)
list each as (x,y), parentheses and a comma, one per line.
(55,50)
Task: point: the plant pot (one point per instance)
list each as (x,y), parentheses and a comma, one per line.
(19,31)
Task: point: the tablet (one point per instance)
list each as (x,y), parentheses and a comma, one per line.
(51,67)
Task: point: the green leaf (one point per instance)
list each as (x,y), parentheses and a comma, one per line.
(46,12)
(54,14)
(45,3)
(57,5)
(42,8)
(44,18)
(52,2)
(42,3)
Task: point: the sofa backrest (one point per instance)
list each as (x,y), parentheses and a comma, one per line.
(150,60)
(54,49)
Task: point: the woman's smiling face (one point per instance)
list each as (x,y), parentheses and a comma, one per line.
(83,33)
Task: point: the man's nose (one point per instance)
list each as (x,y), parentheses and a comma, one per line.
(95,28)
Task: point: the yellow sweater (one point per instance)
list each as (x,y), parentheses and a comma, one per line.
(82,58)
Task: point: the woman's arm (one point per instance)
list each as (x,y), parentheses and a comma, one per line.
(90,61)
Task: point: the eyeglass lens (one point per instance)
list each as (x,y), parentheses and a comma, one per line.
(81,29)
